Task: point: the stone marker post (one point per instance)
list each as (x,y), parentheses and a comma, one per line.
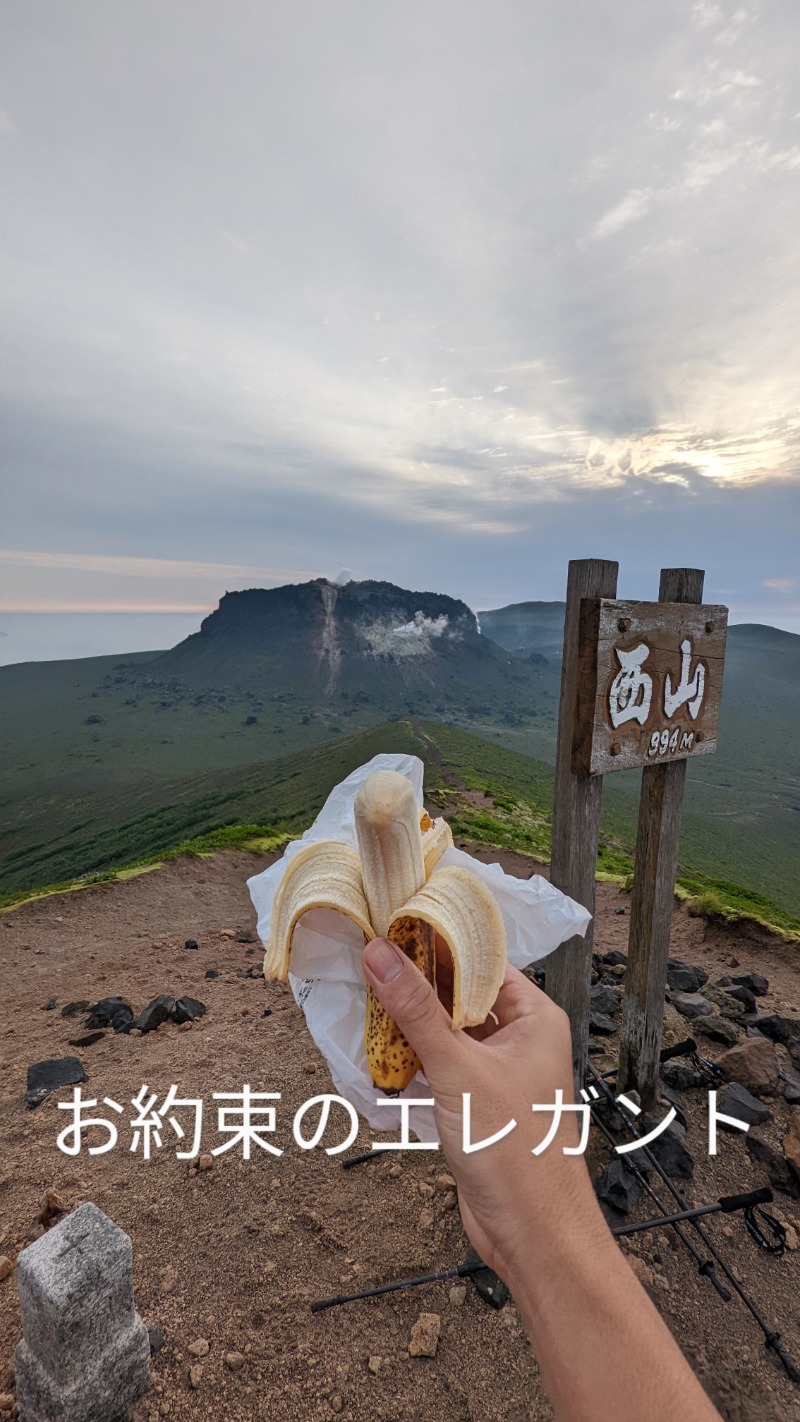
(84,1355)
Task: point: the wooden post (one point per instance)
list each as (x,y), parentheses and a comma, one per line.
(576,818)
(652,900)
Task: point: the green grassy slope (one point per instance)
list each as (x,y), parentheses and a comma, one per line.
(132,822)
(522,791)
(107,757)
(260,805)
(98,745)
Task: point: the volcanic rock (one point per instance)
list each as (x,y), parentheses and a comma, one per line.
(691,1004)
(741,993)
(753,982)
(603,999)
(719,1029)
(671,1150)
(188,1009)
(791,1086)
(735,1100)
(785,1030)
(791,1144)
(618,1187)
(88,1040)
(780,1172)
(685,977)
(74,1009)
(601,1023)
(159,1010)
(113,1012)
(681,1076)
(49,1075)
(726,1005)
(754,1064)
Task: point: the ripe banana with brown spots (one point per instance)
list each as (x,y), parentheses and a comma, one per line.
(393,888)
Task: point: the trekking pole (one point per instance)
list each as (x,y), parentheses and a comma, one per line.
(688,1049)
(771,1337)
(704,1266)
(727,1205)
(359,1159)
(459,1272)
(491,1288)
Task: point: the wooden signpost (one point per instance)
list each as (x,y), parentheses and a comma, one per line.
(641,684)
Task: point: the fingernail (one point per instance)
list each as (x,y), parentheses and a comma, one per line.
(384,960)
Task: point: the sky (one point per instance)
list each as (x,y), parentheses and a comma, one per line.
(441,292)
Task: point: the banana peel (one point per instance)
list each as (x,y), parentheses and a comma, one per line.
(395,887)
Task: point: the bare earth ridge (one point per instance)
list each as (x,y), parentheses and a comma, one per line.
(235,1254)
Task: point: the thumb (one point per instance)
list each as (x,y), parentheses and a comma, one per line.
(412,1003)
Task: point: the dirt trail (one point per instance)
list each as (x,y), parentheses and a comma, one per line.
(235,1254)
(450,777)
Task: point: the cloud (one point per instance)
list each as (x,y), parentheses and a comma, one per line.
(61,606)
(312,301)
(160,568)
(633,206)
(781,585)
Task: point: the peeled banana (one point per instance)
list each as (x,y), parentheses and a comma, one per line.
(394,887)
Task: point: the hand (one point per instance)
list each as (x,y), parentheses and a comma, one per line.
(603,1352)
(505,1193)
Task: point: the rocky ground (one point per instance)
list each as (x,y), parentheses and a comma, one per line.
(227,1259)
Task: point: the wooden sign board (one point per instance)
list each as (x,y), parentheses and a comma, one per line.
(649,683)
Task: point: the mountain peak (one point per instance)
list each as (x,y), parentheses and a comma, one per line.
(329,628)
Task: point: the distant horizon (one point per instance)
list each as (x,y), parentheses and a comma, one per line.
(84,640)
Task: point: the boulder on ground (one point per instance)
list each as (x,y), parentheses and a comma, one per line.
(790,1082)
(673,1029)
(187,1009)
(682,1076)
(726,1005)
(785,1030)
(754,1064)
(685,977)
(781,1173)
(601,1024)
(719,1029)
(74,1009)
(156,1012)
(618,1187)
(671,1150)
(736,1101)
(738,991)
(691,1004)
(113,1012)
(753,982)
(49,1075)
(603,999)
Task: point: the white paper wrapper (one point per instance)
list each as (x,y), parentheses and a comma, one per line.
(326,976)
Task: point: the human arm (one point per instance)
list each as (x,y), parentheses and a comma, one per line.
(604,1353)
